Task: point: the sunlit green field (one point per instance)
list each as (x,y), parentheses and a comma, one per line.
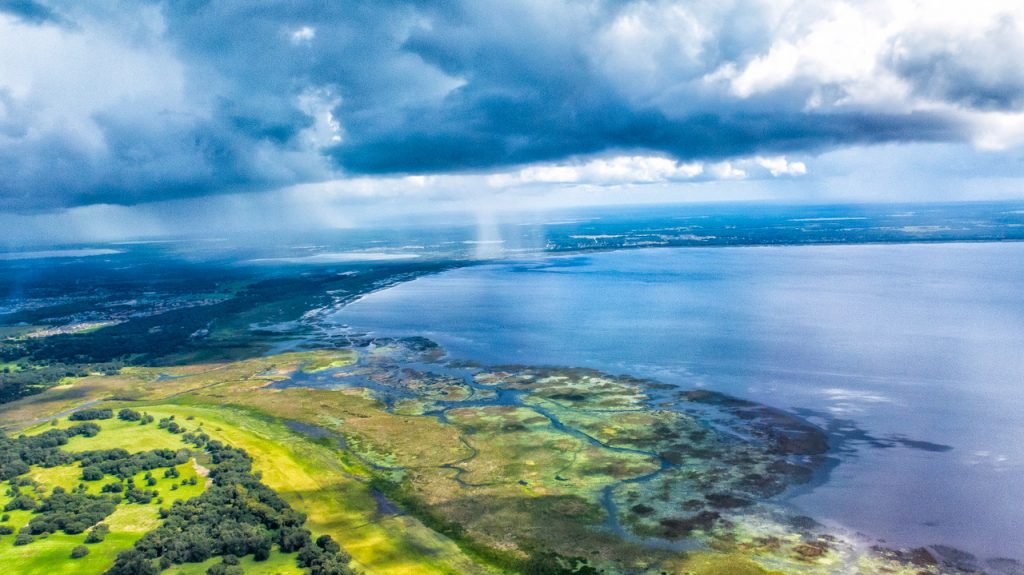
(324,484)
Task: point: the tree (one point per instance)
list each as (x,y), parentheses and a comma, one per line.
(90,414)
(261,551)
(129,415)
(20,503)
(328,544)
(69,512)
(132,562)
(97,533)
(79,551)
(113,487)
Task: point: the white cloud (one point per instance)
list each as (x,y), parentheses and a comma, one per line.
(618,170)
(996,130)
(649,46)
(864,54)
(548,174)
(638,169)
(303,35)
(836,43)
(66,77)
(603,171)
(726,171)
(779,166)
(319,105)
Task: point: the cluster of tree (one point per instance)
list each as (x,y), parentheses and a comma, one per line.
(197,438)
(91,413)
(15,384)
(129,415)
(97,534)
(169,424)
(120,463)
(113,487)
(18,454)
(71,513)
(227,566)
(325,557)
(237,516)
(133,494)
(132,415)
(20,502)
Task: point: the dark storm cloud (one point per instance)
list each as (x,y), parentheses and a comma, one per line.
(268,94)
(529,90)
(30,11)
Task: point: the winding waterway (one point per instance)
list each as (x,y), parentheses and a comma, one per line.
(912,356)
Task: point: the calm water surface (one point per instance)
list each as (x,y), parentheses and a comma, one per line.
(880,343)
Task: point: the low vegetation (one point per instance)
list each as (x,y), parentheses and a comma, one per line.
(216,468)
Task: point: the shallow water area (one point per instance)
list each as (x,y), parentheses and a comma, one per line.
(909,355)
(658,473)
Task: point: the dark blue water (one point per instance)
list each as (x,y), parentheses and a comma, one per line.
(914,353)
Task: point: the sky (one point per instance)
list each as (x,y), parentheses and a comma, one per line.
(129,118)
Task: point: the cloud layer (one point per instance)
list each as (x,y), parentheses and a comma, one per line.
(144,101)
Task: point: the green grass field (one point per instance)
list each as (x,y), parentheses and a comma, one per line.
(324,484)
(127,435)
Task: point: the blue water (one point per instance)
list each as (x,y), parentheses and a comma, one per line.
(881,343)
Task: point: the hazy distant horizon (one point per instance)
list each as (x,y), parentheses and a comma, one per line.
(219,225)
